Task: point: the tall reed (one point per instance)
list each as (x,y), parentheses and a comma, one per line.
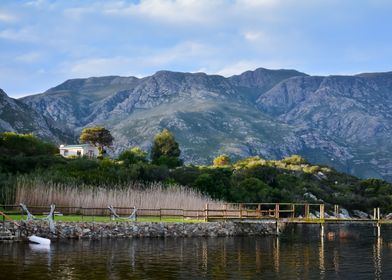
(34,191)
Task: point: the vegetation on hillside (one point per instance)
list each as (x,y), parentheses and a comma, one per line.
(253,179)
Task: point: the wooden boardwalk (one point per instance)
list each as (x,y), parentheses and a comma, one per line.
(288,213)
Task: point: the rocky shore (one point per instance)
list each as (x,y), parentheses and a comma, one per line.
(94,230)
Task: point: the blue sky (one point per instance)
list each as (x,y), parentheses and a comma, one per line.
(43,42)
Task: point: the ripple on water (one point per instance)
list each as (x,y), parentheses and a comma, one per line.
(346,252)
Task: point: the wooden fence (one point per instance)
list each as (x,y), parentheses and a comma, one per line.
(211,212)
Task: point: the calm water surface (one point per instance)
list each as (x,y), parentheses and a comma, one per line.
(344,253)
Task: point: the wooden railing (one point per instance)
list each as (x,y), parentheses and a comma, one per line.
(263,210)
(211,211)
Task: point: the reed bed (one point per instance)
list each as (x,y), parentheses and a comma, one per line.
(34,191)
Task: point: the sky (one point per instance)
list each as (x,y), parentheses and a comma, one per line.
(45,42)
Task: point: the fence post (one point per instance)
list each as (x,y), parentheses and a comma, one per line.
(306,210)
(336,210)
(277,210)
(322,211)
(258,211)
(241,211)
(206,212)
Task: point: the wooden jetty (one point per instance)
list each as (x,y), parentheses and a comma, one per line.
(288,213)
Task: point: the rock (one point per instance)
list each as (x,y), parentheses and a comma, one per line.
(388,216)
(344,214)
(360,214)
(311,196)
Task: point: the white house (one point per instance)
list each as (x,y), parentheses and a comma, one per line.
(79,150)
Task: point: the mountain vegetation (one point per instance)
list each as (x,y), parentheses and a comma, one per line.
(252,179)
(341,121)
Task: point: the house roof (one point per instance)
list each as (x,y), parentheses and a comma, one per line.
(80,146)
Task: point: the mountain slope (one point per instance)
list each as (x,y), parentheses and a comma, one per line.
(18,117)
(344,121)
(354,113)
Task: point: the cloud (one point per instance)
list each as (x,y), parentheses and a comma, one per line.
(237,68)
(99,67)
(30,57)
(24,34)
(7,17)
(180,52)
(171,11)
(241,66)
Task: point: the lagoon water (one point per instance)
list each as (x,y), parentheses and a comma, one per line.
(346,252)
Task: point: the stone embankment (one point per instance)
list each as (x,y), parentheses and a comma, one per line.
(72,230)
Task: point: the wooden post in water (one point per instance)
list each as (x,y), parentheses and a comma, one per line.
(321,230)
(277,210)
(378,230)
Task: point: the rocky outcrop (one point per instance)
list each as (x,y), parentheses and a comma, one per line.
(16,116)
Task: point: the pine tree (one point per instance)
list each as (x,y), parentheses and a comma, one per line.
(165,150)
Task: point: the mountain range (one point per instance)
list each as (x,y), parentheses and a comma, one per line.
(342,121)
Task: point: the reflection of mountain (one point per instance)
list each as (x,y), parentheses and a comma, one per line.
(344,121)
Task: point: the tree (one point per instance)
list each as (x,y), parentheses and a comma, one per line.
(165,150)
(97,136)
(222,160)
(133,156)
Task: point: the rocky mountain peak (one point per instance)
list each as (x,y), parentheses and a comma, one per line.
(344,121)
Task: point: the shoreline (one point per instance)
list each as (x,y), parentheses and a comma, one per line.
(102,230)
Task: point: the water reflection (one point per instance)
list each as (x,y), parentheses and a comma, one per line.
(300,253)
(377,258)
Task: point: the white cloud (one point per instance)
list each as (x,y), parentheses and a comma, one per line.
(30,57)
(259,3)
(244,65)
(23,34)
(237,68)
(99,67)
(7,17)
(172,11)
(180,52)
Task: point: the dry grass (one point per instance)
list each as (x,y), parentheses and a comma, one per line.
(145,196)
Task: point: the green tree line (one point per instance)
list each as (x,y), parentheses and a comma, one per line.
(252,179)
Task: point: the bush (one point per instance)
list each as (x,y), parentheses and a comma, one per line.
(294,160)
(222,160)
(132,156)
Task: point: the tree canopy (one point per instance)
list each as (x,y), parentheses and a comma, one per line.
(133,155)
(222,160)
(97,136)
(165,150)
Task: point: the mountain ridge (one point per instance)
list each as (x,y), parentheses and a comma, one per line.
(341,120)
